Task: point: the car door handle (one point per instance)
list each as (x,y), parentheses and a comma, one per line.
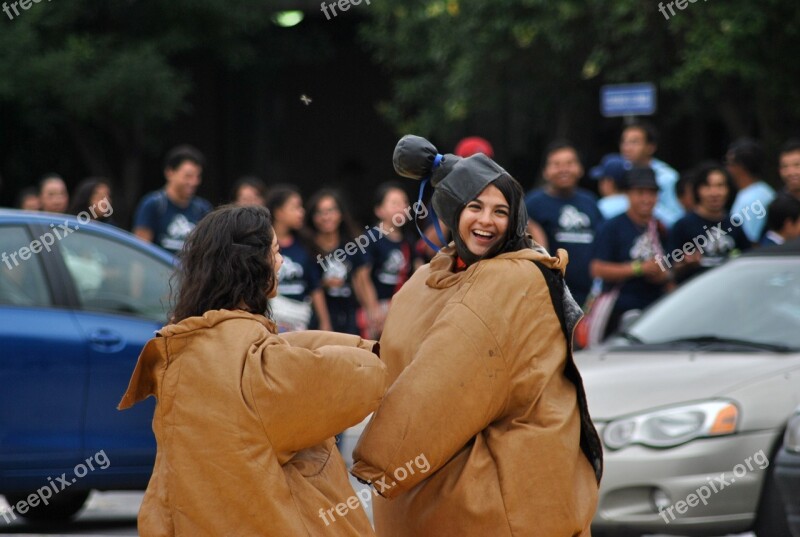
(106,340)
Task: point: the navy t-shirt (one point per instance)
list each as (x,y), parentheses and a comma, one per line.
(392,263)
(717,243)
(169,223)
(620,240)
(300,274)
(570,223)
(342,303)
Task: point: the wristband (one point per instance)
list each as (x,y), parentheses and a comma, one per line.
(636,267)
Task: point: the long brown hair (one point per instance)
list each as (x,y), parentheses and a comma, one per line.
(226,263)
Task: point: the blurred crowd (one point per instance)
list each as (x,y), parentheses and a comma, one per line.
(647,230)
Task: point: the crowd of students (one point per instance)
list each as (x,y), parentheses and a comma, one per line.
(650,230)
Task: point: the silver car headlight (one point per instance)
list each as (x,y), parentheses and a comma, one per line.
(791,439)
(674,426)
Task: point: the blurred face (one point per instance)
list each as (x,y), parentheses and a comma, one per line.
(277,261)
(713,195)
(54,197)
(100,193)
(182,182)
(790,171)
(327,216)
(634,147)
(248,196)
(563,169)
(394,202)
(642,201)
(291,213)
(31,203)
(484,221)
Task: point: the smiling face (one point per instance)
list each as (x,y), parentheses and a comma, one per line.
(182,182)
(484,221)
(327,215)
(563,169)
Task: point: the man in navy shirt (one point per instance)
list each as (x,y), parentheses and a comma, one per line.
(783,220)
(167,216)
(698,237)
(626,248)
(567,215)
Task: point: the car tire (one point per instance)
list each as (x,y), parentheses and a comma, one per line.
(771,518)
(61,506)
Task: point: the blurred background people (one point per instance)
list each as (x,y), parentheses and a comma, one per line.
(332,228)
(300,303)
(389,260)
(93,196)
(53,195)
(711,189)
(167,216)
(783,220)
(745,163)
(638,144)
(28,199)
(683,190)
(610,175)
(789,167)
(567,214)
(248,191)
(626,248)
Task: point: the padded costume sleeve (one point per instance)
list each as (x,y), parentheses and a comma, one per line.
(305,396)
(456,385)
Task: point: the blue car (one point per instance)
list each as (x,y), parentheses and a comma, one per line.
(78,301)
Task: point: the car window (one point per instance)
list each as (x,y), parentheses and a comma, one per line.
(111,276)
(22,280)
(750,299)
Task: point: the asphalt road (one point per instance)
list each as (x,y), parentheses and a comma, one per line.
(106,513)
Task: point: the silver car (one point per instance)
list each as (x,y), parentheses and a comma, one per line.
(692,400)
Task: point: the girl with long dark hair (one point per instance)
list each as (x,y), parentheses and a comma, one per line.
(244,420)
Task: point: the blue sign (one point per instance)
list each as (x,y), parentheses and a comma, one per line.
(628,100)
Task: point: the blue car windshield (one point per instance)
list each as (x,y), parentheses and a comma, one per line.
(754,299)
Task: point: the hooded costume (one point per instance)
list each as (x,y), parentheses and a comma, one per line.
(244,425)
(484,386)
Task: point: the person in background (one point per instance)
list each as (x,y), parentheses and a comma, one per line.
(626,247)
(638,144)
(300,303)
(745,162)
(783,220)
(610,174)
(683,190)
(568,215)
(93,196)
(28,199)
(332,228)
(389,260)
(789,167)
(167,216)
(53,194)
(248,191)
(711,189)
(245,417)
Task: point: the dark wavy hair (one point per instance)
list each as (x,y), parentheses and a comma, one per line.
(82,199)
(226,263)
